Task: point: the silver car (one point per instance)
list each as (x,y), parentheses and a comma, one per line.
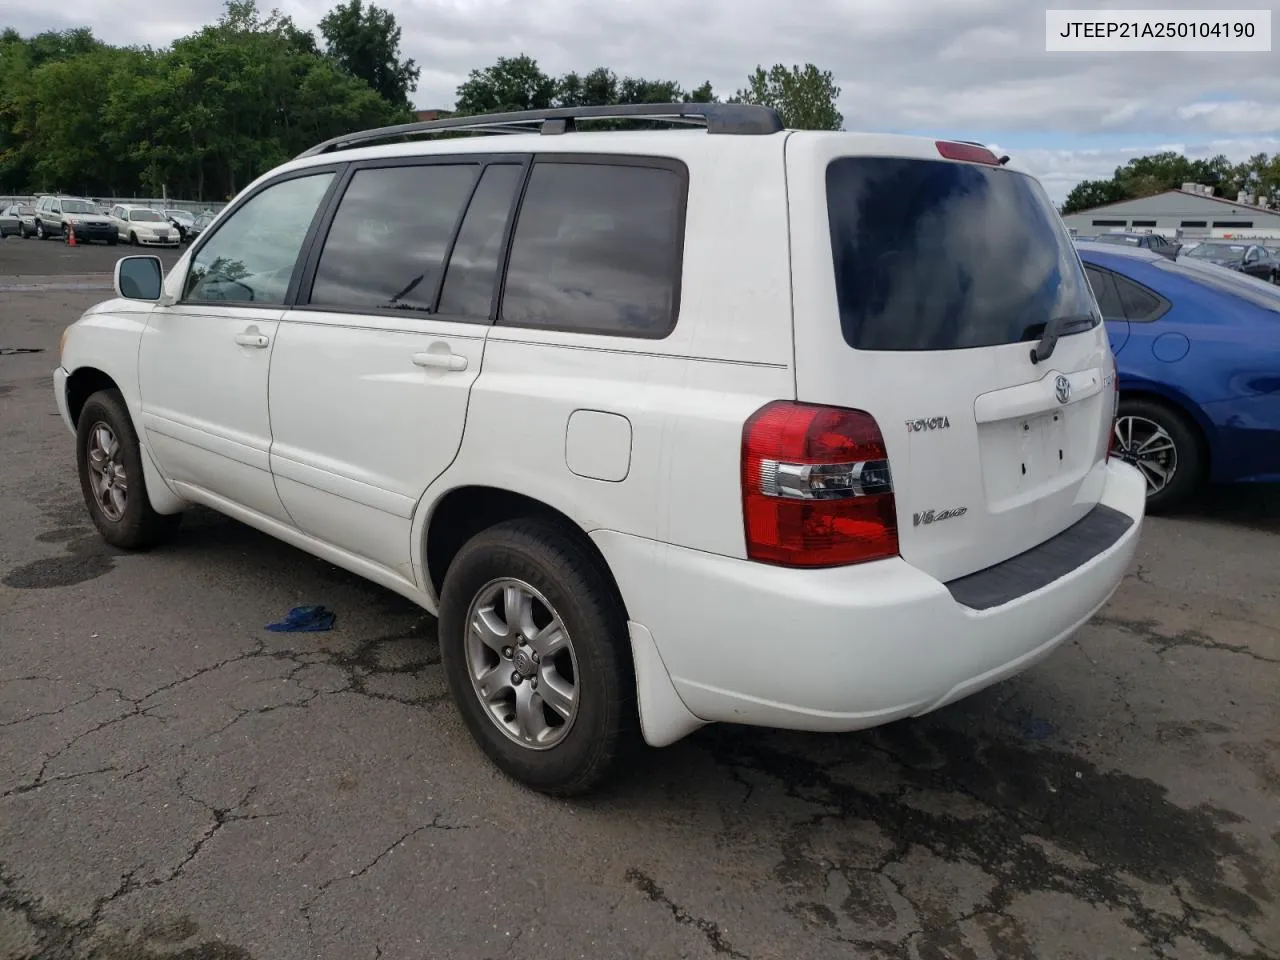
(15,218)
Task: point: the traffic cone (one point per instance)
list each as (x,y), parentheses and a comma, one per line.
(71,235)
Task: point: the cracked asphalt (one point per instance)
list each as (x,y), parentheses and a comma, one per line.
(178,782)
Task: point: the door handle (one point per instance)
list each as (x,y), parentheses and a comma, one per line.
(252,339)
(441,361)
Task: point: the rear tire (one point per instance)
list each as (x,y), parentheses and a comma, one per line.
(108,456)
(539,746)
(1158,439)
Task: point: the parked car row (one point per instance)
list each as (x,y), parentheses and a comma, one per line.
(54,217)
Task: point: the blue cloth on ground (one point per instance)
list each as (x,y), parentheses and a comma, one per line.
(305,620)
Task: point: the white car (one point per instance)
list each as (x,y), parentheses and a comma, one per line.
(142,226)
(795,429)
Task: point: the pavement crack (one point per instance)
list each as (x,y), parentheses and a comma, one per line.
(50,713)
(435,824)
(708,928)
(1146,630)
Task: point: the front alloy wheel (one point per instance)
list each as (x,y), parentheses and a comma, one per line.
(108,477)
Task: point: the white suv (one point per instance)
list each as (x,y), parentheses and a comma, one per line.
(794,429)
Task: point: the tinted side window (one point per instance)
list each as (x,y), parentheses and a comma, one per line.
(389,238)
(250,258)
(473,264)
(1104,289)
(1139,302)
(597,249)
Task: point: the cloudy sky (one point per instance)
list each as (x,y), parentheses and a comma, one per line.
(974,69)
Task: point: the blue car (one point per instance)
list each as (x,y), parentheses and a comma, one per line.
(1198,352)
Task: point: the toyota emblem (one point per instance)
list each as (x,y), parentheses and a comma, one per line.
(1062,389)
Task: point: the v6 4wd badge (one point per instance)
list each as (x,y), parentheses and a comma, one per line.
(937,516)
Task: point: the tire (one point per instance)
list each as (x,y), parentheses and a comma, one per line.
(576,756)
(137,526)
(112,241)
(40,234)
(1189,457)
(133,239)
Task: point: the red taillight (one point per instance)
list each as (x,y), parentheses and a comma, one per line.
(972,152)
(816,488)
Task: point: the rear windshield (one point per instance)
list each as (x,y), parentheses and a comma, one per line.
(932,255)
(1217,251)
(1258,292)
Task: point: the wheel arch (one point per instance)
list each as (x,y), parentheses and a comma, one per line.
(462,512)
(84,382)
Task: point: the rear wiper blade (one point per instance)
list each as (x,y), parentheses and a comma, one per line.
(1052,330)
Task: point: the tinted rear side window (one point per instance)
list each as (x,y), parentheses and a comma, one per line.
(1104,288)
(597,249)
(389,237)
(1139,302)
(473,265)
(932,255)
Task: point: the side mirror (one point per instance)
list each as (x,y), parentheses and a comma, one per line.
(139,278)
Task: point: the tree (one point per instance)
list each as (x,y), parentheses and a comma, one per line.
(512,83)
(1093,193)
(365,41)
(805,97)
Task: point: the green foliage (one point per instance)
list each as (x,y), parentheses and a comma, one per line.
(1158,172)
(365,41)
(805,97)
(219,107)
(513,83)
(201,119)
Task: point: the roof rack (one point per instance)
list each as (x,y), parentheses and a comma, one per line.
(723,118)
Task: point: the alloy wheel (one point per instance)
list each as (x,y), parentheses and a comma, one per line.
(107,475)
(1147,445)
(522,664)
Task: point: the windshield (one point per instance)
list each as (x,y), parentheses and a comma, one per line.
(180,215)
(148,215)
(1115,239)
(76,206)
(931,255)
(1258,292)
(1217,251)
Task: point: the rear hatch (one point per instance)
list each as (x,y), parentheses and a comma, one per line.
(921,285)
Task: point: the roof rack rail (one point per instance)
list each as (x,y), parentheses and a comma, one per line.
(724,118)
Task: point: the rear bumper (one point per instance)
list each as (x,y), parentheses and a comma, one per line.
(853,647)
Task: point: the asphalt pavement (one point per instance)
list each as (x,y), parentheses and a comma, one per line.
(177,782)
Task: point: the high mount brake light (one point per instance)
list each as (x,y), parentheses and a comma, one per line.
(972,152)
(816,487)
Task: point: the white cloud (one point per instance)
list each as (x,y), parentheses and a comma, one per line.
(951,66)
